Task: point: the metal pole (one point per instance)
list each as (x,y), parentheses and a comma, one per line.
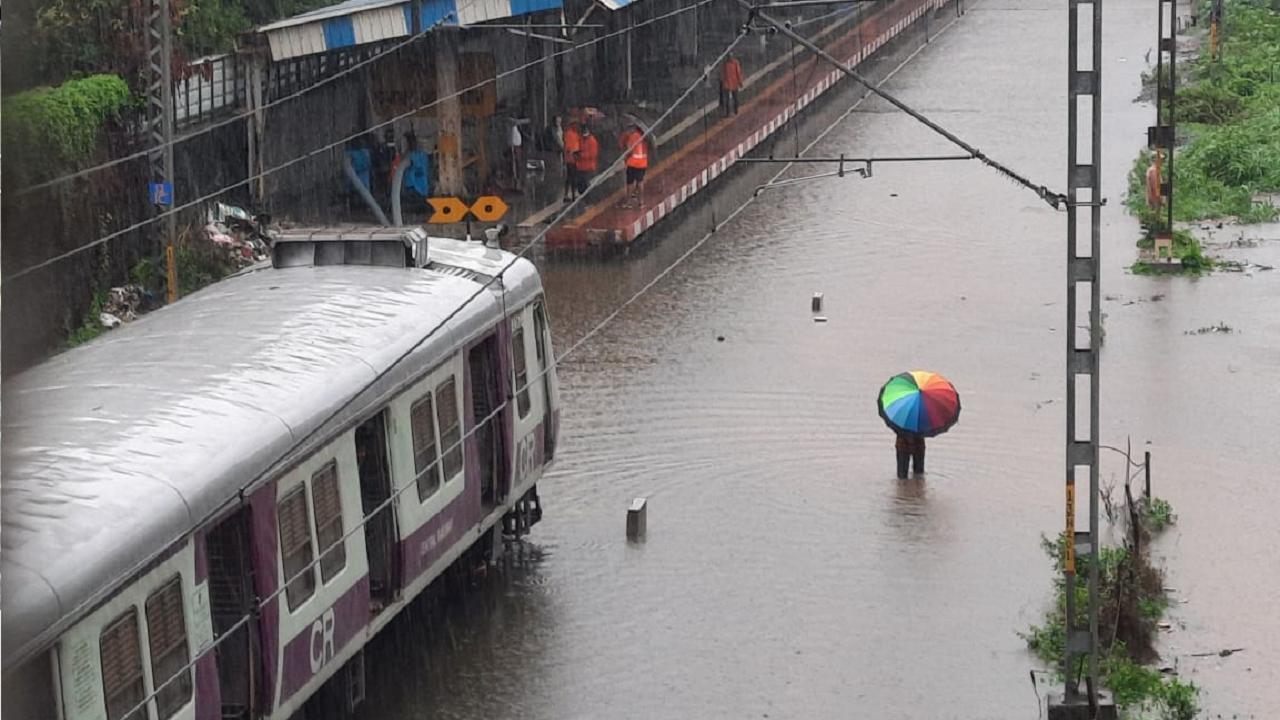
(1095,342)
(159,49)
(1146,472)
(1170,96)
(1084,79)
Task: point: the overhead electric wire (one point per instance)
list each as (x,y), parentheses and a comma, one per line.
(325,148)
(84,172)
(303,445)
(824,16)
(1052,198)
(441,23)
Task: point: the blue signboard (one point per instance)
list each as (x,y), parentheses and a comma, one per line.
(160,193)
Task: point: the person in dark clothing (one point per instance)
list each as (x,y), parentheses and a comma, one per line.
(910,451)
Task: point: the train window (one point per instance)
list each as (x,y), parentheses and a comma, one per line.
(167,639)
(522,371)
(426,460)
(450,427)
(122,684)
(328,504)
(540,335)
(295,546)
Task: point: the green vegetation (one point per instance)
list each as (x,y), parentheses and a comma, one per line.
(1131,604)
(90,327)
(1185,247)
(1229,113)
(50,41)
(49,130)
(1157,514)
(199,264)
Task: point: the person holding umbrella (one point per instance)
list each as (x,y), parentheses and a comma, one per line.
(916,405)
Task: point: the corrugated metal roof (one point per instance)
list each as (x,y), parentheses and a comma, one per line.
(113,450)
(356,22)
(343,8)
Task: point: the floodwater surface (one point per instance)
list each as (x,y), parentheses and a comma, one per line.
(786,572)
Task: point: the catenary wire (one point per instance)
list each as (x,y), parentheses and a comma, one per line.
(596,329)
(301,446)
(84,172)
(325,148)
(1056,200)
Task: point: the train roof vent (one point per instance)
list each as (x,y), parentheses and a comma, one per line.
(458,271)
(382,246)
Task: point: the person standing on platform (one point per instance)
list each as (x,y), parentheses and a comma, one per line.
(730,84)
(636,147)
(588,159)
(572,144)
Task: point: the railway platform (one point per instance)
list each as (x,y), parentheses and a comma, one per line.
(603,224)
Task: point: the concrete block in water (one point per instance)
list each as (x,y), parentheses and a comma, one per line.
(637,516)
(1077,708)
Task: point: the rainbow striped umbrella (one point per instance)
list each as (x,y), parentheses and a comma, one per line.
(919,402)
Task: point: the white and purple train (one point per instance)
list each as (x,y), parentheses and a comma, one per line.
(209,512)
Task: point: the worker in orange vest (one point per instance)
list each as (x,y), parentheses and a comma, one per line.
(572,144)
(730,84)
(587,160)
(636,147)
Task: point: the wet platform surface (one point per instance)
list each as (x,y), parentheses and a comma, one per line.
(674,179)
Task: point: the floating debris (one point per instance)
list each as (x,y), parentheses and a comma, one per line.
(1221,327)
(1243,267)
(1225,652)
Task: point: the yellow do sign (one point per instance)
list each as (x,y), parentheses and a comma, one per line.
(444,210)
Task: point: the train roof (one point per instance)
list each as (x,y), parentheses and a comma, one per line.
(114,450)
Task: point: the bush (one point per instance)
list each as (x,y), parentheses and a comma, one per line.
(1233,110)
(48,131)
(1207,103)
(1244,154)
(1132,599)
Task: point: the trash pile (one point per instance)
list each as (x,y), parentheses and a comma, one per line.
(233,230)
(124,304)
(234,237)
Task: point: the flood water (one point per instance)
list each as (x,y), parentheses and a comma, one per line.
(787,573)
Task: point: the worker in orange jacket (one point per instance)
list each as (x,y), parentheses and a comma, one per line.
(588,159)
(730,84)
(572,144)
(636,147)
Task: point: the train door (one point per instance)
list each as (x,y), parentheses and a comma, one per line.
(231,594)
(485,368)
(542,344)
(380,527)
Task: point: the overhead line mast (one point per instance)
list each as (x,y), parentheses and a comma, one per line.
(1084,195)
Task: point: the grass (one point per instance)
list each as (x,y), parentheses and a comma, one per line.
(1131,604)
(1229,112)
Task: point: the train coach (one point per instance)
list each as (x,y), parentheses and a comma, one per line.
(209,512)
